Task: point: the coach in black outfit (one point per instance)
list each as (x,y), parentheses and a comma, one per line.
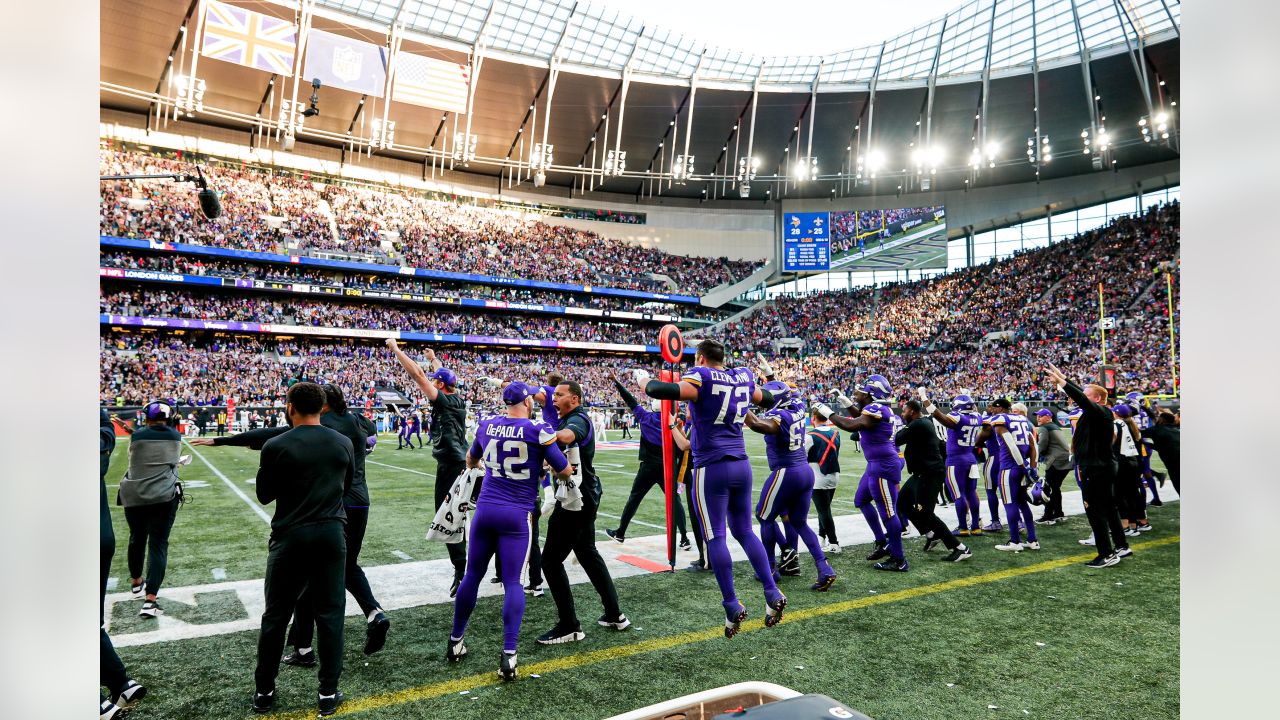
(448,434)
(1095,431)
(1168,440)
(924,455)
(305,471)
(1054,450)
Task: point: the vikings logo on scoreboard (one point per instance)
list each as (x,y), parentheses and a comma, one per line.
(806,241)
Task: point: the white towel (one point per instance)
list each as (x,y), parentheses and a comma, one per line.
(450,521)
(569,492)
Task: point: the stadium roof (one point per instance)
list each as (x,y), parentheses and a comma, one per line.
(946,84)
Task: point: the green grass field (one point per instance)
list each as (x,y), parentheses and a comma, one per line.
(1034,634)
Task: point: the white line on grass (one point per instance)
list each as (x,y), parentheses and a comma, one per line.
(252,505)
(397,467)
(401,554)
(637,522)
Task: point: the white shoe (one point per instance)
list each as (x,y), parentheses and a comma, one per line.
(832,549)
(1088,541)
(1131,532)
(1033,545)
(150,609)
(1010,547)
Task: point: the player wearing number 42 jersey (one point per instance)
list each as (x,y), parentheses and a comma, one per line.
(719,399)
(512,449)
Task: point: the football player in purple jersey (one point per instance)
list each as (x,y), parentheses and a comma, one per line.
(1145,420)
(512,449)
(719,399)
(990,444)
(879,483)
(1018,462)
(789,488)
(963,424)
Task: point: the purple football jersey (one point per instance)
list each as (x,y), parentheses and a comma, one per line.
(877,443)
(513,450)
(993,442)
(724,396)
(786,448)
(1020,428)
(550,415)
(962,438)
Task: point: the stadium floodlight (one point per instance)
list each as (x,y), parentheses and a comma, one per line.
(464,147)
(541,157)
(1099,142)
(874,161)
(190,96)
(615,163)
(682,168)
(379,139)
(1153,127)
(928,159)
(806,168)
(747,168)
(1042,154)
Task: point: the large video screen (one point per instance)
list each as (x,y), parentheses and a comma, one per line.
(906,238)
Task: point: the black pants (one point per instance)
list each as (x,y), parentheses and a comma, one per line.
(1175,471)
(575,531)
(917,498)
(826,523)
(1097,485)
(311,558)
(626,431)
(111,670)
(698,539)
(1053,478)
(647,476)
(446,472)
(149,527)
(222,429)
(357,584)
(1130,499)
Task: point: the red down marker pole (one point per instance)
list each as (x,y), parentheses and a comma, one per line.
(671,344)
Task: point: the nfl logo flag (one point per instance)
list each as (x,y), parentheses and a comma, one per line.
(431,83)
(248,38)
(345,63)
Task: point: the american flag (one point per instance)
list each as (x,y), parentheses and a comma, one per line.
(431,83)
(248,38)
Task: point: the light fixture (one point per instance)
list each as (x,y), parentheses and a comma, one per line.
(190,93)
(464,147)
(928,159)
(806,168)
(1042,153)
(540,159)
(1152,127)
(615,162)
(682,168)
(379,139)
(874,162)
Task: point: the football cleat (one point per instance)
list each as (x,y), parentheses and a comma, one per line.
(773,611)
(976,531)
(994,527)
(558,635)
(881,551)
(789,563)
(892,565)
(960,532)
(507,668)
(456,651)
(961,552)
(375,634)
(298,658)
(733,623)
(328,704)
(824,583)
(619,623)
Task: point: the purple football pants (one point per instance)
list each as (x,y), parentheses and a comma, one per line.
(964,491)
(721,494)
(879,486)
(789,491)
(1016,506)
(505,531)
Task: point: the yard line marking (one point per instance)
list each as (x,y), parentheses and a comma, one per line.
(111,584)
(219,573)
(252,505)
(397,467)
(569,662)
(401,554)
(634,521)
(613,472)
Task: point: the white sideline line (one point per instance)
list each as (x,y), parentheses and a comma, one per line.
(397,467)
(401,554)
(252,505)
(633,521)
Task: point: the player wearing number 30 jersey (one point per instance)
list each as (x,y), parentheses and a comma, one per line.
(512,449)
(721,491)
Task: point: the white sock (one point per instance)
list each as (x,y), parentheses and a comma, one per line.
(374,613)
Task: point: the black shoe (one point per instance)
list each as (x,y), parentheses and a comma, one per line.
(558,635)
(892,565)
(617,623)
(456,651)
(617,536)
(263,702)
(108,710)
(961,552)
(130,695)
(1123,552)
(507,669)
(533,590)
(328,704)
(1156,503)
(824,583)
(733,622)
(375,634)
(1160,477)
(297,658)
(930,542)
(773,611)
(697,566)
(1102,562)
(495,580)
(789,563)
(881,551)
(685,544)
(453,588)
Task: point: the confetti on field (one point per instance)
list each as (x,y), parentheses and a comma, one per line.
(993,707)
(465,692)
(535,675)
(873,592)
(1025,712)
(1119,584)
(1039,644)
(951,685)
(799,667)
(753,657)
(1053,597)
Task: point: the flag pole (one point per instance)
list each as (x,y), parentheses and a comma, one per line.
(1102,323)
(1173,347)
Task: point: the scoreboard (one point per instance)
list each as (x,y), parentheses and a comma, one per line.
(806,241)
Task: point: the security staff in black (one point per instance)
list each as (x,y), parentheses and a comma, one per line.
(1168,442)
(924,455)
(112,675)
(306,472)
(823,441)
(1091,444)
(355,501)
(575,530)
(651,471)
(448,434)
(150,495)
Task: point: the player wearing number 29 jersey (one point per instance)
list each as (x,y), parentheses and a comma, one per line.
(1014,440)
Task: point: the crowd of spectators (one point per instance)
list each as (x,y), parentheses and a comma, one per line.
(269,212)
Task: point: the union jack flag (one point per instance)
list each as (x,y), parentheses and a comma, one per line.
(248,38)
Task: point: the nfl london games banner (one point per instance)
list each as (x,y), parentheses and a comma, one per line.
(806,242)
(345,63)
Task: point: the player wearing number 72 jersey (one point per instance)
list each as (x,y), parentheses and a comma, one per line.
(721,490)
(512,449)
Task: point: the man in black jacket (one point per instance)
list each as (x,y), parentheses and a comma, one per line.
(305,471)
(1167,439)
(1091,444)
(651,471)
(112,675)
(919,493)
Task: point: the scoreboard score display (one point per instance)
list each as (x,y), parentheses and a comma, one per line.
(806,241)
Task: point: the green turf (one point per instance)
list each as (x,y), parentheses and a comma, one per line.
(1108,647)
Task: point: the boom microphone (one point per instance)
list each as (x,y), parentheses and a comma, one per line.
(210,205)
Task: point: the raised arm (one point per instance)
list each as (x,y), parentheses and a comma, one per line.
(848,424)
(683,391)
(933,410)
(767,426)
(415,370)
